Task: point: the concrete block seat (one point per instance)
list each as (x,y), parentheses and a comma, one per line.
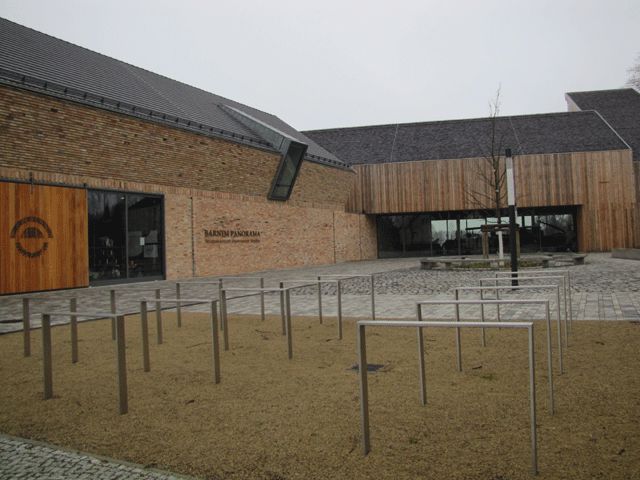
(574,258)
(445,263)
(627,253)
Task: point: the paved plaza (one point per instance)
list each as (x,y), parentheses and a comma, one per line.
(604,288)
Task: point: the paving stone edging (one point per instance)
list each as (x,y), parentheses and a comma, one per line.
(21,458)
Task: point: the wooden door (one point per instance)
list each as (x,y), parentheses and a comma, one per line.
(43,238)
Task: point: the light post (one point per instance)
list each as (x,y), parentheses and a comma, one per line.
(511,201)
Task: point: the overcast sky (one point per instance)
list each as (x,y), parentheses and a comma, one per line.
(327,63)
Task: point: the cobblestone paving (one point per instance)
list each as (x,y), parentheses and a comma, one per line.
(605,288)
(24,459)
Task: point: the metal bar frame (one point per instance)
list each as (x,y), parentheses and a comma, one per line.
(362,367)
(112,303)
(121,360)
(562,278)
(73,325)
(159,336)
(26,327)
(525,287)
(350,277)
(498,302)
(26,320)
(285,310)
(457,303)
(192,301)
(547,272)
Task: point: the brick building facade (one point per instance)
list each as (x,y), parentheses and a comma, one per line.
(212,187)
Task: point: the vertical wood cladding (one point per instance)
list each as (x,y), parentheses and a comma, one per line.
(43,238)
(601,183)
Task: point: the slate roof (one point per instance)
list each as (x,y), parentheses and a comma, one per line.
(34,60)
(524,134)
(620,108)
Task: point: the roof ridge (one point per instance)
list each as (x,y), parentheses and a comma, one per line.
(457,120)
(633,89)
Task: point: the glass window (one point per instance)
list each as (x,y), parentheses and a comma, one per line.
(125,236)
(106,236)
(144,236)
(287,172)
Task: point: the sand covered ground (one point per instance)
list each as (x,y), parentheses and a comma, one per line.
(273,418)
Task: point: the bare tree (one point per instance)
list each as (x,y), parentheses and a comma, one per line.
(487,191)
(634,74)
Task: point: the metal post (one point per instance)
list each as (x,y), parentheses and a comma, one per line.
(484,338)
(373,298)
(112,299)
(550,361)
(532,402)
(123,404)
(458,346)
(484,341)
(288,325)
(339,296)
(262,298)
(511,201)
(46,357)
(144,326)
(559,328)
(282,310)
(215,342)
(158,318)
(224,320)
(223,315)
(73,323)
(26,327)
(570,302)
(423,385)
(364,389)
(178,305)
(498,305)
(566,312)
(320,299)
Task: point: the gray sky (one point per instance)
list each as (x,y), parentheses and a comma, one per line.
(328,63)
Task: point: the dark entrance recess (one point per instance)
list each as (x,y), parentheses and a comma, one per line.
(458,233)
(126,235)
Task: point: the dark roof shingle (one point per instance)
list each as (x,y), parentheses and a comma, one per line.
(620,108)
(524,134)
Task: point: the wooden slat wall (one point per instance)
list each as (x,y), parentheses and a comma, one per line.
(602,183)
(65,262)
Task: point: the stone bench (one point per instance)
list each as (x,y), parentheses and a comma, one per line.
(575,258)
(626,253)
(443,263)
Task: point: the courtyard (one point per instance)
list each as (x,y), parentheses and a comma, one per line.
(275,418)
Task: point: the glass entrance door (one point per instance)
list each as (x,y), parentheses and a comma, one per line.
(144,236)
(125,237)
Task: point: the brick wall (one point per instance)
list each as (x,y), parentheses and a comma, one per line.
(207,183)
(286,236)
(52,135)
(355,237)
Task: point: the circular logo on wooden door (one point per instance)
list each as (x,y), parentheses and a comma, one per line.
(32,236)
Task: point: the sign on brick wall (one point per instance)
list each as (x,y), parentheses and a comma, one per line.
(231,236)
